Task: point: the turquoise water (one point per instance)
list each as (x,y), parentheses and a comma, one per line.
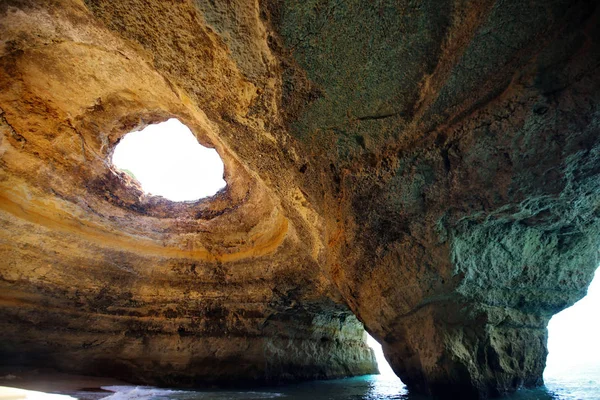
(578,385)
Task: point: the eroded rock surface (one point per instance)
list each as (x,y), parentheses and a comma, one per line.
(430,168)
(97,277)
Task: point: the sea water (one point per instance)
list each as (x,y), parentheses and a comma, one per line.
(582,384)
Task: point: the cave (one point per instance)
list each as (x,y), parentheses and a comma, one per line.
(427,172)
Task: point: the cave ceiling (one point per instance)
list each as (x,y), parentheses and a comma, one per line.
(427,171)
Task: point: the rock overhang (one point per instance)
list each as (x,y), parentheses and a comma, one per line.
(449,203)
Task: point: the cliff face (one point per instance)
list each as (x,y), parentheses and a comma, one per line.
(432,169)
(98,278)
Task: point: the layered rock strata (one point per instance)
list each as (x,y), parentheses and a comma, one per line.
(430,168)
(97,277)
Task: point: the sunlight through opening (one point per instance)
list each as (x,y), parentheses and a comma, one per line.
(167,160)
(573,334)
(382,364)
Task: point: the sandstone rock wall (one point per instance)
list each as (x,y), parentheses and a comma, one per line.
(97,277)
(464,141)
(432,168)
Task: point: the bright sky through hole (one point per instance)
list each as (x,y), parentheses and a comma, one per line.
(167,160)
(573,334)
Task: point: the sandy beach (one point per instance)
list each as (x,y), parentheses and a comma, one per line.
(47,384)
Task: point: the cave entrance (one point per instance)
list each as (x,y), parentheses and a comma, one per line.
(382,364)
(386,385)
(167,160)
(574,341)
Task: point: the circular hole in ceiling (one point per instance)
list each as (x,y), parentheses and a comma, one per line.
(167,160)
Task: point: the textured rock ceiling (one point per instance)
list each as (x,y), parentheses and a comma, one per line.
(430,168)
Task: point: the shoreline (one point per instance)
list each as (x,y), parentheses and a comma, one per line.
(52,382)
